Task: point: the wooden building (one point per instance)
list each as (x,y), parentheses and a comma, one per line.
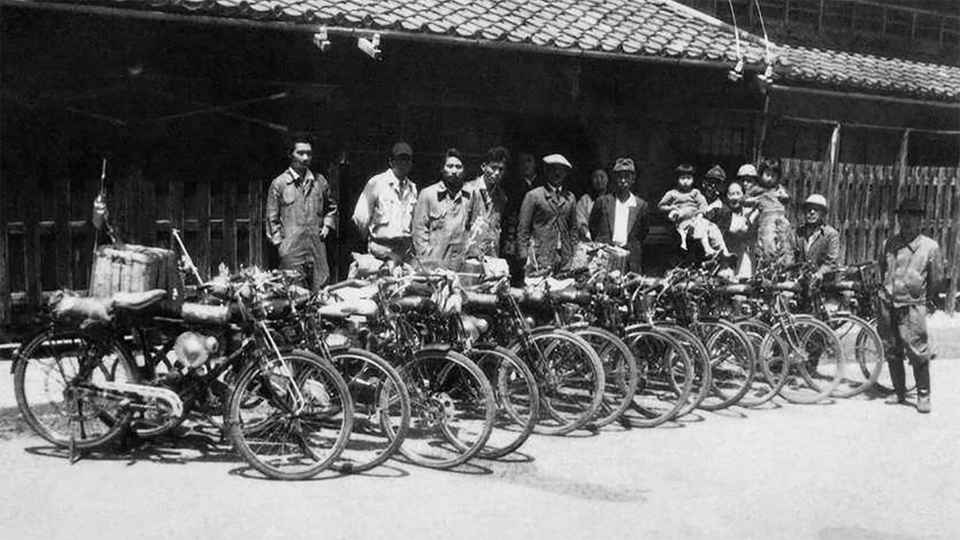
(190,102)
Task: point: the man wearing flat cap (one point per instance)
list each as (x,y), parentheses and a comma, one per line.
(547,227)
(620,218)
(912,270)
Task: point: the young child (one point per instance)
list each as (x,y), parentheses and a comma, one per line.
(775,235)
(685,207)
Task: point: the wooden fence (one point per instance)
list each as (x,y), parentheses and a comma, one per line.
(863,199)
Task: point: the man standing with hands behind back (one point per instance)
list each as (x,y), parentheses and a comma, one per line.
(301,213)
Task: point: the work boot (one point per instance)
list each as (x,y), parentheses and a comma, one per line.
(895,399)
(923,403)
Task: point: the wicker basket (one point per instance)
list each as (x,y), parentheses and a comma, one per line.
(134,268)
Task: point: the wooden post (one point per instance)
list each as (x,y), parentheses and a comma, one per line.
(203,222)
(230,224)
(820,17)
(764,124)
(255,237)
(4,259)
(63,236)
(913,28)
(833,158)
(31,198)
(786,14)
(902,161)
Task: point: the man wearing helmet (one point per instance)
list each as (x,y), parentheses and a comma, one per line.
(819,242)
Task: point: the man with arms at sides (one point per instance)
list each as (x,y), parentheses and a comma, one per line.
(912,271)
(820,242)
(547,228)
(620,218)
(443,217)
(489,190)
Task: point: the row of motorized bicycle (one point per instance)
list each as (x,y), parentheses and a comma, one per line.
(437,368)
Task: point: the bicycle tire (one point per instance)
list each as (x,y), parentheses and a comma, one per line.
(271,380)
(517,398)
(702,374)
(380,402)
(731,372)
(772,366)
(563,409)
(619,373)
(35,414)
(435,390)
(866,362)
(660,396)
(801,386)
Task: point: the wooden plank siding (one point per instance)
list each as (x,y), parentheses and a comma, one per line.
(865,201)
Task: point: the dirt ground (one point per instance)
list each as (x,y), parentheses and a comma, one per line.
(854,469)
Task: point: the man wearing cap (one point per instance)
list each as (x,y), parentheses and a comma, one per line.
(713,187)
(443,217)
(488,188)
(912,273)
(547,227)
(819,242)
(385,208)
(301,213)
(620,218)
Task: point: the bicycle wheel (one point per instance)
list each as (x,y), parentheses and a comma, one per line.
(619,373)
(702,377)
(862,352)
(772,364)
(815,358)
(290,417)
(52,383)
(452,409)
(732,362)
(517,398)
(381,409)
(570,378)
(666,377)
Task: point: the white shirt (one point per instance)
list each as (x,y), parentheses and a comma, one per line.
(621,215)
(385,208)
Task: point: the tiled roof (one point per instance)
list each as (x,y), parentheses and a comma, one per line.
(640,28)
(868,72)
(651,28)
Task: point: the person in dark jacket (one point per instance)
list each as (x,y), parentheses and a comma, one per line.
(912,271)
(620,218)
(736,223)
(547,227)
(819,242)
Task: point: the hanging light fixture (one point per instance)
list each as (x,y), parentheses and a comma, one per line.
(768,74)
(736,74)
(321,39)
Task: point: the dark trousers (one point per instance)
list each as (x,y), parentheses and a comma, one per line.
(903,330)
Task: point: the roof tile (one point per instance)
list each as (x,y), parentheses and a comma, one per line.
(636,27)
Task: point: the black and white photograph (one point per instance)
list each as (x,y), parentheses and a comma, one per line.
(480,269)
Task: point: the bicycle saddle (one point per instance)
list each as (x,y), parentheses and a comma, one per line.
(137,301)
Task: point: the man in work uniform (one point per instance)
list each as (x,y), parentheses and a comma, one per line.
(912,270)
(385,208)
(820,242)
(442,219)
(547,228)
(488,188)
(301,213)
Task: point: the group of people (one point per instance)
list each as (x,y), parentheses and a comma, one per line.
(536,224)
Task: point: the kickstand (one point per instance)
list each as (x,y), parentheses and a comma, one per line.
(75,454)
